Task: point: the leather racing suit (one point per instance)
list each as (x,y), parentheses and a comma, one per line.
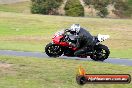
(84,42)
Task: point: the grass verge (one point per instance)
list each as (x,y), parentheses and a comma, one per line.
(25,72)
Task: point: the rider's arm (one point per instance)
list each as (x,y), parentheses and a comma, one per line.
(66,30)
(78,41)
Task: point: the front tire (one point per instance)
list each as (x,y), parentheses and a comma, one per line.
(53,50)
(101,53)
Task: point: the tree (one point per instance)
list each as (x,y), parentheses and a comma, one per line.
(122,8)
(74,8)
(45,6)
(130,8)
(100,6)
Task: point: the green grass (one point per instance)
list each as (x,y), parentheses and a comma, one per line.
(29,32)
(22,46)
(20,7)
(121,53)
(25,72)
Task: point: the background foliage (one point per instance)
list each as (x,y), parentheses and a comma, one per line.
(74,8)
(122,8)
(45,6)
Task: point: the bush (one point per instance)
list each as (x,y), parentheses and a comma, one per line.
(74,8)
(45,6)
(129,12)
(103,12)
(100,6)
(123,8)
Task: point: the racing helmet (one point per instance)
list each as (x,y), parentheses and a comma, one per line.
(75,28)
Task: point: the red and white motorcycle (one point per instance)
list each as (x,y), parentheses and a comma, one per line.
(59,46)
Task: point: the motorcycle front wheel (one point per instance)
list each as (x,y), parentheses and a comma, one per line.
(53,50)
(101,53)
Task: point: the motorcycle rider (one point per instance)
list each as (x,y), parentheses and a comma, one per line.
(85,42)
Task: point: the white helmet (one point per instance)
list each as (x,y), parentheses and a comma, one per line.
(75,28)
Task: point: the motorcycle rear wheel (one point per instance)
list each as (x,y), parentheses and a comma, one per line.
(101,53)
(53,50)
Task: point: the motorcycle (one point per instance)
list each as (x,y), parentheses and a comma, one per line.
(60,45)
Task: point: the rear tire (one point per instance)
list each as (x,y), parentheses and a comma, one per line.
(101,53)
(53,50)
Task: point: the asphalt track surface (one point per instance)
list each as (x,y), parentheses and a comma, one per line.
(125,62)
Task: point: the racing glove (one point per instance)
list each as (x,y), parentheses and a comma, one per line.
(72,44)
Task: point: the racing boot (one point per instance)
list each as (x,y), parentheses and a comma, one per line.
(90,50)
